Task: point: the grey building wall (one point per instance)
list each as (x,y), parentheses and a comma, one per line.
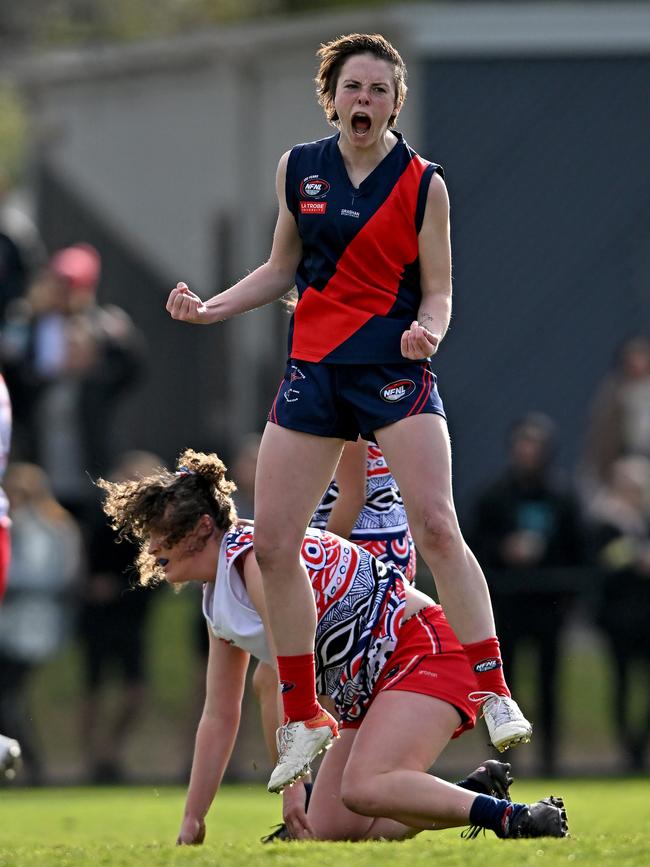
(164,156)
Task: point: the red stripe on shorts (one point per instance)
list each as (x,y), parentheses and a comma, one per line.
(273,415)
(425,391)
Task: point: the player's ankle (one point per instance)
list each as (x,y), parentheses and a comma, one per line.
(485,659)
(297,676)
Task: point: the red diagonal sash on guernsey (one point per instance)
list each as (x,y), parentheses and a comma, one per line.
(367,275)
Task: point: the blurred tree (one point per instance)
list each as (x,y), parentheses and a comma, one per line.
(13,133)
(56,22)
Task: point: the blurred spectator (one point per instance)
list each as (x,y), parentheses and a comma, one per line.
(621,519)
(9,747)
(21,248)
(13,272)
(5,446)
(68,363)
(243,468)
(37,614)
(528,533)
(619,423)
(112,628)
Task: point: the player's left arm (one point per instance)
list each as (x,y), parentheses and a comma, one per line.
(434,251)
(255,589)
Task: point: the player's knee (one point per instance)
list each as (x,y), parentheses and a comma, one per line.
(264,681)
(359,795)
(274,549)
(438,530)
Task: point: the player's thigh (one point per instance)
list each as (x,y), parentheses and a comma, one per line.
(401,731)
(329,817)
(418,452)
(293,471)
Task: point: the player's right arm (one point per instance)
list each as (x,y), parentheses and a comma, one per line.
(266,283)
(215,735)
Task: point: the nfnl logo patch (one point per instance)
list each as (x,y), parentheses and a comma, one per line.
(313,207)
(314,187)
(398,390)
(487,665)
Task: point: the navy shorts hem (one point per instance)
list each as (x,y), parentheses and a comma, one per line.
(428,410)
(303,428)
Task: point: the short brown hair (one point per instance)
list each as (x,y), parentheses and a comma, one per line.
(334,54)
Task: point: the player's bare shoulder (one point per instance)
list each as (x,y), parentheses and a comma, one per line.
(437,197)
(281,173)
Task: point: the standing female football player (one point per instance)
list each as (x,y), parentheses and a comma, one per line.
(363,232)
(385,654)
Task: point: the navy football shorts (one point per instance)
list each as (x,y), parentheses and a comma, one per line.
(348,400)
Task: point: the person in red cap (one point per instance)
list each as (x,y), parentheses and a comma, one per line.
(69,361)
(79,267)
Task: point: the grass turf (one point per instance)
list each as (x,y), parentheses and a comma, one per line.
(124,827)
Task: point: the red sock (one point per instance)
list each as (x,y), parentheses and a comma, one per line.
(485,658)
(298,684)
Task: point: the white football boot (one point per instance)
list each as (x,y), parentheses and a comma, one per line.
(298,745)
(9,757)
(506,723)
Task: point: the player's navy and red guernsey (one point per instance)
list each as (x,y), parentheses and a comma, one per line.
(359,278)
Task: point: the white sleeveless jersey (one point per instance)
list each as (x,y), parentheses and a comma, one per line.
(229,611)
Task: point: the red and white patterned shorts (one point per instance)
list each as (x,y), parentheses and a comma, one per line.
(430,660)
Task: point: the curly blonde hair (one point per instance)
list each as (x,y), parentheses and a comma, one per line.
(170,503)
(334,54)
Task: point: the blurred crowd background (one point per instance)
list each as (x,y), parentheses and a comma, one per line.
(137,147)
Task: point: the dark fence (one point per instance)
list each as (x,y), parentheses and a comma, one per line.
(546,162)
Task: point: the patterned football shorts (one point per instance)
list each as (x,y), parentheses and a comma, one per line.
(429,659)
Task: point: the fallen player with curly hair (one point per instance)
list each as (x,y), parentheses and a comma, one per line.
(385,654)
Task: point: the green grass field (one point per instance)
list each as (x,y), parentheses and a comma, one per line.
(125,827)
(159,747)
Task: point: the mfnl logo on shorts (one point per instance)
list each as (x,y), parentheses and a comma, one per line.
(397,390)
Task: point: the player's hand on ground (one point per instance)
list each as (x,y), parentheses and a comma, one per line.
(294,813)
(418,342)
(192,832)
(185,305)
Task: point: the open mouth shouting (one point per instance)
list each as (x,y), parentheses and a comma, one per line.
(361,123)
(162,562)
